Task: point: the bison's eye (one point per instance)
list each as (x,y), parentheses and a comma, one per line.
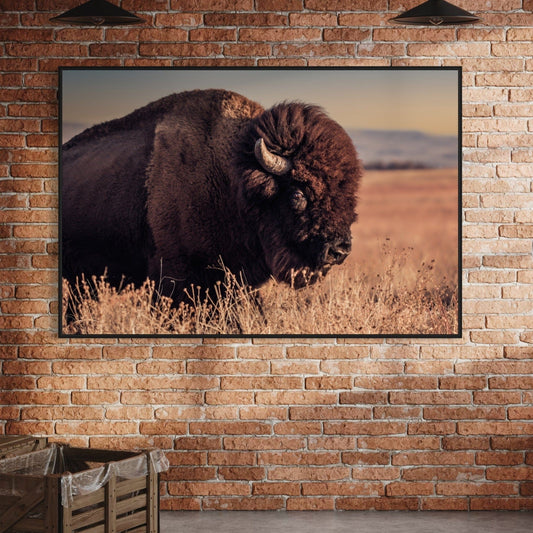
(298,200)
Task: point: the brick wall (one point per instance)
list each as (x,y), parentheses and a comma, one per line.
(285,424)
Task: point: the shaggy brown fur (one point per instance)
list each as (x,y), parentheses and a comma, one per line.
(170,189)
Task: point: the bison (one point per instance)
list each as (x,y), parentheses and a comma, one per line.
(207,175)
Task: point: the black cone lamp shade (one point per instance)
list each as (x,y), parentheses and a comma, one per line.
(97,13)
(435,13)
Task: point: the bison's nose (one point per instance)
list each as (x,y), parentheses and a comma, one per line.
(337,251)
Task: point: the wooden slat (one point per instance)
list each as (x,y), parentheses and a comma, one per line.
(22,481)
(95,529)
(52,492)
(111,505)
(131,504)
(12,445)
(131,521)
(88,518)
(131,485)
(141,529)
(18,510)
(86,500)
(30,524)
(8,441)
(8,500)
(152,489)
(66,519)
(93,516)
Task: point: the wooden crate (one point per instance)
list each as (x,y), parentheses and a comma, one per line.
(120,506)
(19,444)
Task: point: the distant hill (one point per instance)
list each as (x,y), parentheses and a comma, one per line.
(404,149)
(70,129)
(377,148)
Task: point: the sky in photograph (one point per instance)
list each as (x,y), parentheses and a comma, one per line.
(416,100)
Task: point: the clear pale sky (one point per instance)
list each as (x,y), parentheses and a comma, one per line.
(422,100)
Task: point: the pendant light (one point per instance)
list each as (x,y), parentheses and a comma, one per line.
(435,13)
(98,13)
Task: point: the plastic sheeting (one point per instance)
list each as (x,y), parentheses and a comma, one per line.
(51,460)
(88,481)
(40,463)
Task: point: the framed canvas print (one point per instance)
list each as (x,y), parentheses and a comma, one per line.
(260,202)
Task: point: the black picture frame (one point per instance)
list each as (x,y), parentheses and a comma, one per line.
(455,74)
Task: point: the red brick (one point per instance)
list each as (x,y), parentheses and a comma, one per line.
(400,488)
(212,34)
(494,504)
(462,382)
(243,504)
(430,428)
(94,397)
(384,413)
(180,504)
(179,49)
(526,489)
(329,413)
(243,19)
(366,488)
(331,443)
(298,428)
(190,473)
(436,397)
(311,504)
(231,458)
(273,488)
(29,428)
(461,413)
(476,489)
(399,443)
(296,397)
(213,5)
(512,443)
(374,427)
(308,473)
(247,49)
(229,428)
(513,473)
(266,382)
(245,473)
(95,428)
(432,458)
(443,473)
(496,397)
(327,352)
(297,458)
(362,397)
(444,504)
(377,504)
(63,412)
(142,398)
(499,458)
(366,458)
(46,50)
(113,49)
(494,428)
(194,488)
(259,412)
(397,382)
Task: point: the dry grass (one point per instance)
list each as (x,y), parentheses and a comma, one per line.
(401,278)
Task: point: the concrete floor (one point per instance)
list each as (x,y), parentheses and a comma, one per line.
(345,522)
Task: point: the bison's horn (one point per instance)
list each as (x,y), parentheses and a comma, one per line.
(275,164)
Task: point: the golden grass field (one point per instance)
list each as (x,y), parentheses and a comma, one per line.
(401,278)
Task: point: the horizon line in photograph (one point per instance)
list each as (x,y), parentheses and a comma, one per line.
(376,148)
